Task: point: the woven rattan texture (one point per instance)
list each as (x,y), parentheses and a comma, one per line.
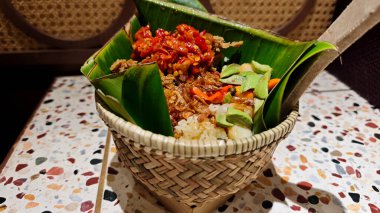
(62,19)
(80,19)
(12,39)
(271,15)
(173,169)
(315,23)
(192,182)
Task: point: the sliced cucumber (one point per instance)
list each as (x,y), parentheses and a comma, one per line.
(229,70)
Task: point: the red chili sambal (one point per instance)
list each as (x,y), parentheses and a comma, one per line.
(182,53)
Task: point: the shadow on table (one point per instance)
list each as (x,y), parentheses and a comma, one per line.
(269,188)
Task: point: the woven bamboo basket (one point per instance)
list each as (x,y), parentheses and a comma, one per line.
(191,172)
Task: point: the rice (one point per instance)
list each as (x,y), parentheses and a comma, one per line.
(205,130)
(217,108)
(192,129)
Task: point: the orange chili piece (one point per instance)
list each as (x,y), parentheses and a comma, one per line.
(247,94)
(215,98)
(198,92)
(226,88)
(273,82)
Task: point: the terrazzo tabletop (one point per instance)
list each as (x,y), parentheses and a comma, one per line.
(65,161)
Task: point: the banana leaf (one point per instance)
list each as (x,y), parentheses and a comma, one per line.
(143,103)
(281,54)
(138,96)
(143,97)
(272,111)
(119,47)
(190,3)
(114,105)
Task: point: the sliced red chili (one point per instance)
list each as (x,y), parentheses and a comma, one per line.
(185,50)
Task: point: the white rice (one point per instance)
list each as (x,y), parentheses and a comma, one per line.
(217,108)
(192,129)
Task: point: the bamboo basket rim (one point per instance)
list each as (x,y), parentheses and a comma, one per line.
(194,149)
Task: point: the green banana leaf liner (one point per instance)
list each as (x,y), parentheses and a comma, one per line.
(137,94)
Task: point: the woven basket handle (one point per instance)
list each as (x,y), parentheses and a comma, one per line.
(288,27)
(20,22)
(359,17)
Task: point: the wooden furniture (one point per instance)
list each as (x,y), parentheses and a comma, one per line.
(58,32)
(298,19)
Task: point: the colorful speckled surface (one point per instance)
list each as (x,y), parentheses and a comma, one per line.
(329,163)
(56,163)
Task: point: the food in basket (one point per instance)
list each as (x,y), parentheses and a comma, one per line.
(156,97)
(203,103)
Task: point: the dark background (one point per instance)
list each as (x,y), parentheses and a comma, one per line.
(22,89)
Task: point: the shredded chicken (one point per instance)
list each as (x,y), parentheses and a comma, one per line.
(182,104)
(121,65)
(221,44)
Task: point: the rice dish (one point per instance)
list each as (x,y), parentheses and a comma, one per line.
(203,103)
